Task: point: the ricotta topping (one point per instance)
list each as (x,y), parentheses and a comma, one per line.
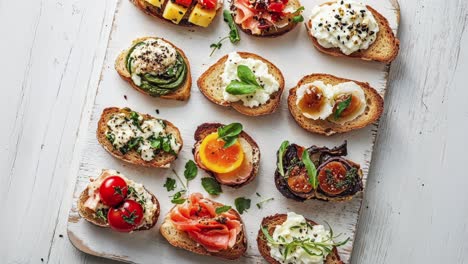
(347,25)
(260,69)
(153,56)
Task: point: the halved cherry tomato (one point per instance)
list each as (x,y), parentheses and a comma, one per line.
(298,180)
(218,159)
(127,217)
(332,178)
(113,190)
(208,4)
(185,3)
(276,7)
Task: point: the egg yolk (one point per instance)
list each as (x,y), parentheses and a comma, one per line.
(218,159)
(313,101)
(353,106)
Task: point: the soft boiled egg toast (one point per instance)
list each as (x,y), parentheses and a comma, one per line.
(327,105)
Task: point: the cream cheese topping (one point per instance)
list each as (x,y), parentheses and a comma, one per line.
(347,25)
(260,69)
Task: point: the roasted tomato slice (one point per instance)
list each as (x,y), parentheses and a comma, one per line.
(127,217)
(298,180)
(113,190)
(332,178)
(185,3)
(218,159)
(208,4)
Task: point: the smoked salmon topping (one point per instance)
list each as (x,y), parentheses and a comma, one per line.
(197,217)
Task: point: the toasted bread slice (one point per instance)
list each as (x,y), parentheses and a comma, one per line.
(182,240)
(161,160)
(273,31)
(270,223)
(210,84)
(90,216)
(182,93)
(374,109)
(247,142)
(384,49)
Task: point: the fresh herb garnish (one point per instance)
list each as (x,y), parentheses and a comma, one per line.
(297,18)
(233,36)
(258,194)
(223,209)
(177,197)
(311,169)
(260,204)
(110,137)
(281,151)
(247,83)
(229,133)
(131,218)
(350,178)
(118,190)
(170,184)
(242,204)
(101,213)
(342,106)
(211,186)
(180,180)
(190,171)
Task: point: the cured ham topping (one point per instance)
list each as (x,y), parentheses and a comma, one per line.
(197,217)
(258,15)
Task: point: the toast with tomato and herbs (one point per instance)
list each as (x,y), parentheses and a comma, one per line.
(181,12)
(306,234)
(246,85)
(139,139)
(384,47)
(267,18)
(317,173)
(156,67)
(205,227)
(326,104)
(114,201)
(226,153)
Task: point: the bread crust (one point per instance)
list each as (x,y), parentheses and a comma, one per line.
(89,215)
(204,130)
(180,239)
(181,94)
(375,106)
(270,223)
(373,53)
(210,84)
(161,160)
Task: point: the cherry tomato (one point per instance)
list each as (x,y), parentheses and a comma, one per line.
(332,178)
(185,3)
(276,7)
(208,4)
(113,190)
(298,180)
(127,217)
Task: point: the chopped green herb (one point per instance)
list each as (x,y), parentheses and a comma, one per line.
(101,213)
(242,204)
(261,203)
(211,186)
(177,197)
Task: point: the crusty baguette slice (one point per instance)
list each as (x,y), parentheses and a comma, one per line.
(210,84)
(182,93)
(207,128)
(181,239)
(375,106)
(270,223)
(89,215)
(273,31)
(161,160)
(384,49)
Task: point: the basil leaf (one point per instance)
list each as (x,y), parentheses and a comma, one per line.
(234,36)
(281,151)
(246,75)
(177,198)
(239,88)
(211,186)
(222,209)
(231,130)
(242,204)
(342,106)
(191,170)
(170,184)
(298,19)
(311,170)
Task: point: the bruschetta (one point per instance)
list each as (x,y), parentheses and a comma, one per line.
(326,104)
(244,81)
(139,139)
(205,227)
(156,67)
(234,166)
(350,29)
(112,200)
(317,173)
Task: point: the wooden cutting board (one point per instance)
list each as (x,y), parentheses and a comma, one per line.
(295,55)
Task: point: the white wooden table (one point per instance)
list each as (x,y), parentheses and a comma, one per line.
(416,204)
